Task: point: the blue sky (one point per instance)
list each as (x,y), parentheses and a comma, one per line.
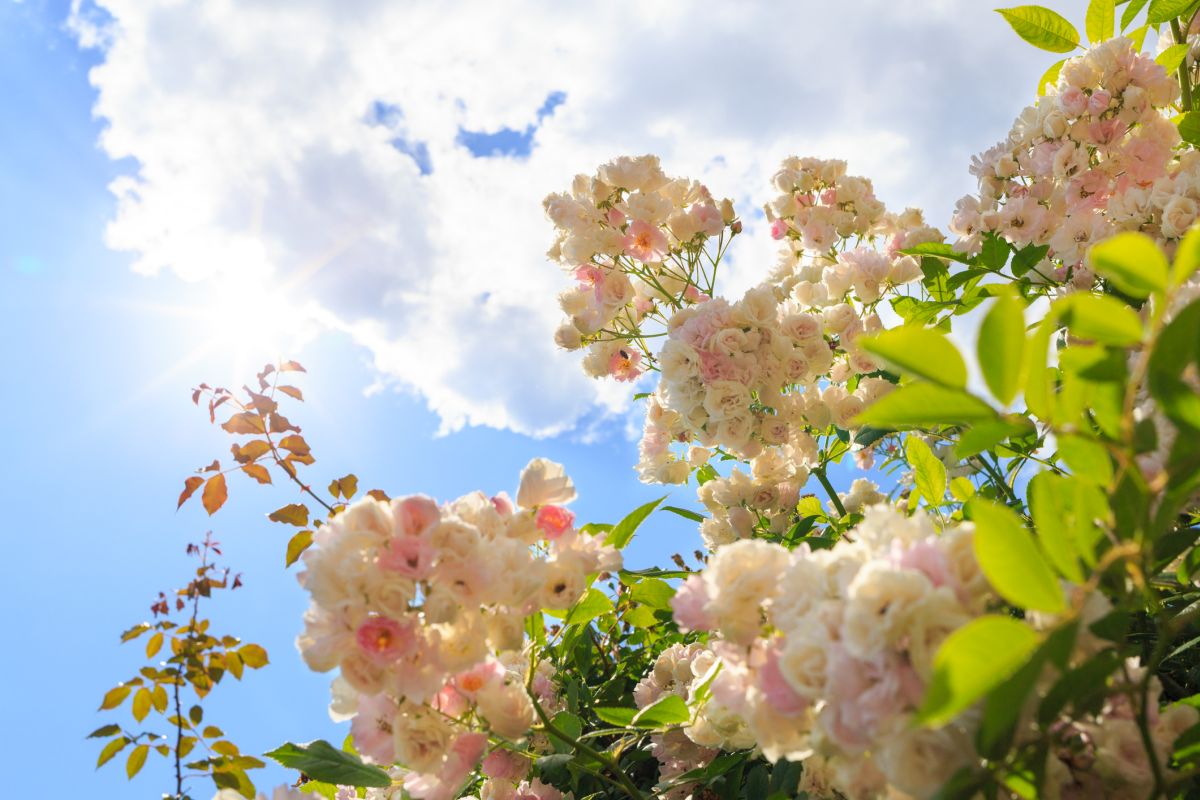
(97,429)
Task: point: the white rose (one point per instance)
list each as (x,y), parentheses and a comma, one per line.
(543,482)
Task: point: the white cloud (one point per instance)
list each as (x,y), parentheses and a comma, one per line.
(260,156)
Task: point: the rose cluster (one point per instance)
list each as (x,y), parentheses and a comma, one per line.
(1094,157)
(422,607)
(635,241)
(824,656)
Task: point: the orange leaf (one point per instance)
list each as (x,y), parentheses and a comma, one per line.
(215,494)
(296,444)
(250,450)
(245,422)
(279,424)
(380,495)
(189,488)
(258,472)
(260,402)
(291,366)
(293,514)
(302,459)
(292,391)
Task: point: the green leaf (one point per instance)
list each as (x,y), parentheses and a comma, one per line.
(668,710)
(321,761)
(961,489)
(104,730)
(986,435)
(1099,21)
(923,404)
(938,249)
(571,726)
(929,473)
(652,592)
(617,717)
(1172,57)
(1133,262)
(1011,560)
(1178,346)
(1166,10)
(1049,78)
(1189,127)
(1187,256)
(919,351)
(1130,12)
(1048,501)
(591,605)
(685,513)
(1100,318)
(1001,348)
(1042,28)
(971,662)
(623,531)
(1086,457)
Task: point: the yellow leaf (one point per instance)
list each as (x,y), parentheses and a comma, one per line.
(154,644)
(141,704)
(258,472)
(215,494)
(115,697)
(244,422)
(253,655)
(111,749)
(225,748)
(159,698)
(136,759)
(234,664)
(298,544)
(295,444)
(255,448)
(292,514)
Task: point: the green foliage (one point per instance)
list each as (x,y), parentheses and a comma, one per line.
(1042,28)
(321,761)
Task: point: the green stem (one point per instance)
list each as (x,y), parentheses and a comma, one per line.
(833,495)
(1185,83)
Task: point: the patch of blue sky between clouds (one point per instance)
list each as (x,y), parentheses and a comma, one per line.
(391,116)
(508,141)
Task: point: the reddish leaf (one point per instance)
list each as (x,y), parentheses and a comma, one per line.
(215,466)
(215,494)
(260,402)
(250,450)
(189,488)
(245,422)
(291,366)
(196,397)
(295,444)
(292,391)
(279,424)
(292,514)
(258,472)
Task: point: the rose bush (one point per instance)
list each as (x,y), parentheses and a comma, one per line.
(1004,604)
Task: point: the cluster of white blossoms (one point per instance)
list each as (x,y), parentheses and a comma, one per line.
(824,656)
(1094,157)
(422,608)
(847,646)
(744,376)
(636,242)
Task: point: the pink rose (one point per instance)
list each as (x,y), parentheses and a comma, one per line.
(414,515)
(384,640)
(554,521)
(689,605)
(645,242)
(411,556)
